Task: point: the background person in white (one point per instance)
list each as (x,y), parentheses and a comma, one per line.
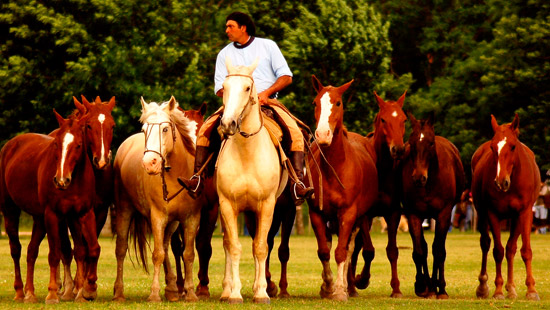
(270,76)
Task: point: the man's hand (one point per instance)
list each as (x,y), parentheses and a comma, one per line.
(262,97)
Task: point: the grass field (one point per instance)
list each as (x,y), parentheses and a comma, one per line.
(462,268)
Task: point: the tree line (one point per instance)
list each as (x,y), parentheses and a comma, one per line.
(463,60)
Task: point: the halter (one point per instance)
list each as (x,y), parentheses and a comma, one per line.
(165,167)
(250,100)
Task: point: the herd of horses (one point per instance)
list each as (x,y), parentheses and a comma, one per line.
(66,182)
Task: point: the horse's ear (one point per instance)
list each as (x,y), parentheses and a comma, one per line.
(378,99)
(202,108)
(85,102)
(401,99)
(111,103)
(253,66)
(97,100)
(79,106)
(228,64)
(172,104)
(144,104)
(316,83)
(60,119)
(412,118)
(515,124)
(494,123)
(344,87)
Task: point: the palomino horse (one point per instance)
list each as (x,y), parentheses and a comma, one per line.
(433,180)
(387,139)
(505,185)
(146,193)
(51,178)
(249,177)
(347,183)
(209,216)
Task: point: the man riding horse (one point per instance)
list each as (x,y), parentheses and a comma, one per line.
(271,76)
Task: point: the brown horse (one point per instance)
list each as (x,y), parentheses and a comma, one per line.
(147,195)
(346,185)
(387,139)
(26,184)
(209,216)
(505,185)
(433,180)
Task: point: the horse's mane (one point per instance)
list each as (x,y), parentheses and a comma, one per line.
(180,121)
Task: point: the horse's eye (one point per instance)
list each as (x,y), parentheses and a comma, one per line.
(165,129)
(338,103)
(383,121)
(513,147)
(248,89)
(89,126)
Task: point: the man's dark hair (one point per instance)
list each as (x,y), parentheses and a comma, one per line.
(243,19)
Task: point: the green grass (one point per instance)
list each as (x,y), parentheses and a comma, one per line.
(304,276)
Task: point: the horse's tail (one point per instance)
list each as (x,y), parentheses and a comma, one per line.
(139,230)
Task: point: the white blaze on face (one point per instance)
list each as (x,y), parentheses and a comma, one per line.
(326,111)
(421,137)
(101,119)
(500,145)
(394,114)
(67,140)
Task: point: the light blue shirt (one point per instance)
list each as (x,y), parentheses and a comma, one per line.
(271,66)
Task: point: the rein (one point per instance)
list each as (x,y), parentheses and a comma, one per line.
(250,100)
(165,167)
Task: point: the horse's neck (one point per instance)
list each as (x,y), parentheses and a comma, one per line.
(252,121)
(384,160)
(337,152)
(179,159)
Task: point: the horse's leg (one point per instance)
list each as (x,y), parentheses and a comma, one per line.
(11,225)
(420,256)
(284,249)
(38,234)
(54,257)
(158,226)
(88,224)
(482,290)
(191,229)
(526,217)
(66,259)
(362,280)
(355,250)
(392,252)
(439,252)
(233,250)
(171,290)
(204,248)
(324,240)
(260,248)
(346,221)
(123,218)
(511,249)
(498,254)
(177,249)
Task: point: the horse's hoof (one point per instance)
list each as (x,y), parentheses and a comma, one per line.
(233,301)
(52,301)
(482,291)
(154,298)
(272,289)
(191,297)
(443,296)
(511,295)
(361,283)
(89,295)
(171,295)
(533,296)
(339,297)
(202,292)
(284,294)
(261,300)
(30,299)
(326,292)
(353,293)
(397,294)
(498,296)
(119,299)
(67,296)
(224,299)
(19,296)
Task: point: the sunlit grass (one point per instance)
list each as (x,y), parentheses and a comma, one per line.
(304,277)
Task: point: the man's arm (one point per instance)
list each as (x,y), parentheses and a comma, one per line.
(280,84)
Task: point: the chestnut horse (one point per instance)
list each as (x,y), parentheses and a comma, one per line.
(209,216)
(346,181)
(249,176)
(505,185)
(29,163)
(147,193)
(387,139)
(433,181)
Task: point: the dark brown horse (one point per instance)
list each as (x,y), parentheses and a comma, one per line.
(387,140)
(346,185)
(433,180)
(505,185)
(51,178)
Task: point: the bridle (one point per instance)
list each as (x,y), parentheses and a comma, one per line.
(165,166)
(250,101)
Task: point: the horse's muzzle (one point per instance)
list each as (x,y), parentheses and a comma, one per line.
(397,151)
(503,184)
(61,183)
(229,128)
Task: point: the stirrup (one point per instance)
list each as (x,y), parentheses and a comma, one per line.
(296,194)
(194,176)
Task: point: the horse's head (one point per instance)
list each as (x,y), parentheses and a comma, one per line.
(422,144)
(329,110)
(389,124)
(239,95)
(503,146)
(99,128)
(196,119)
(160,133)
(70,147)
